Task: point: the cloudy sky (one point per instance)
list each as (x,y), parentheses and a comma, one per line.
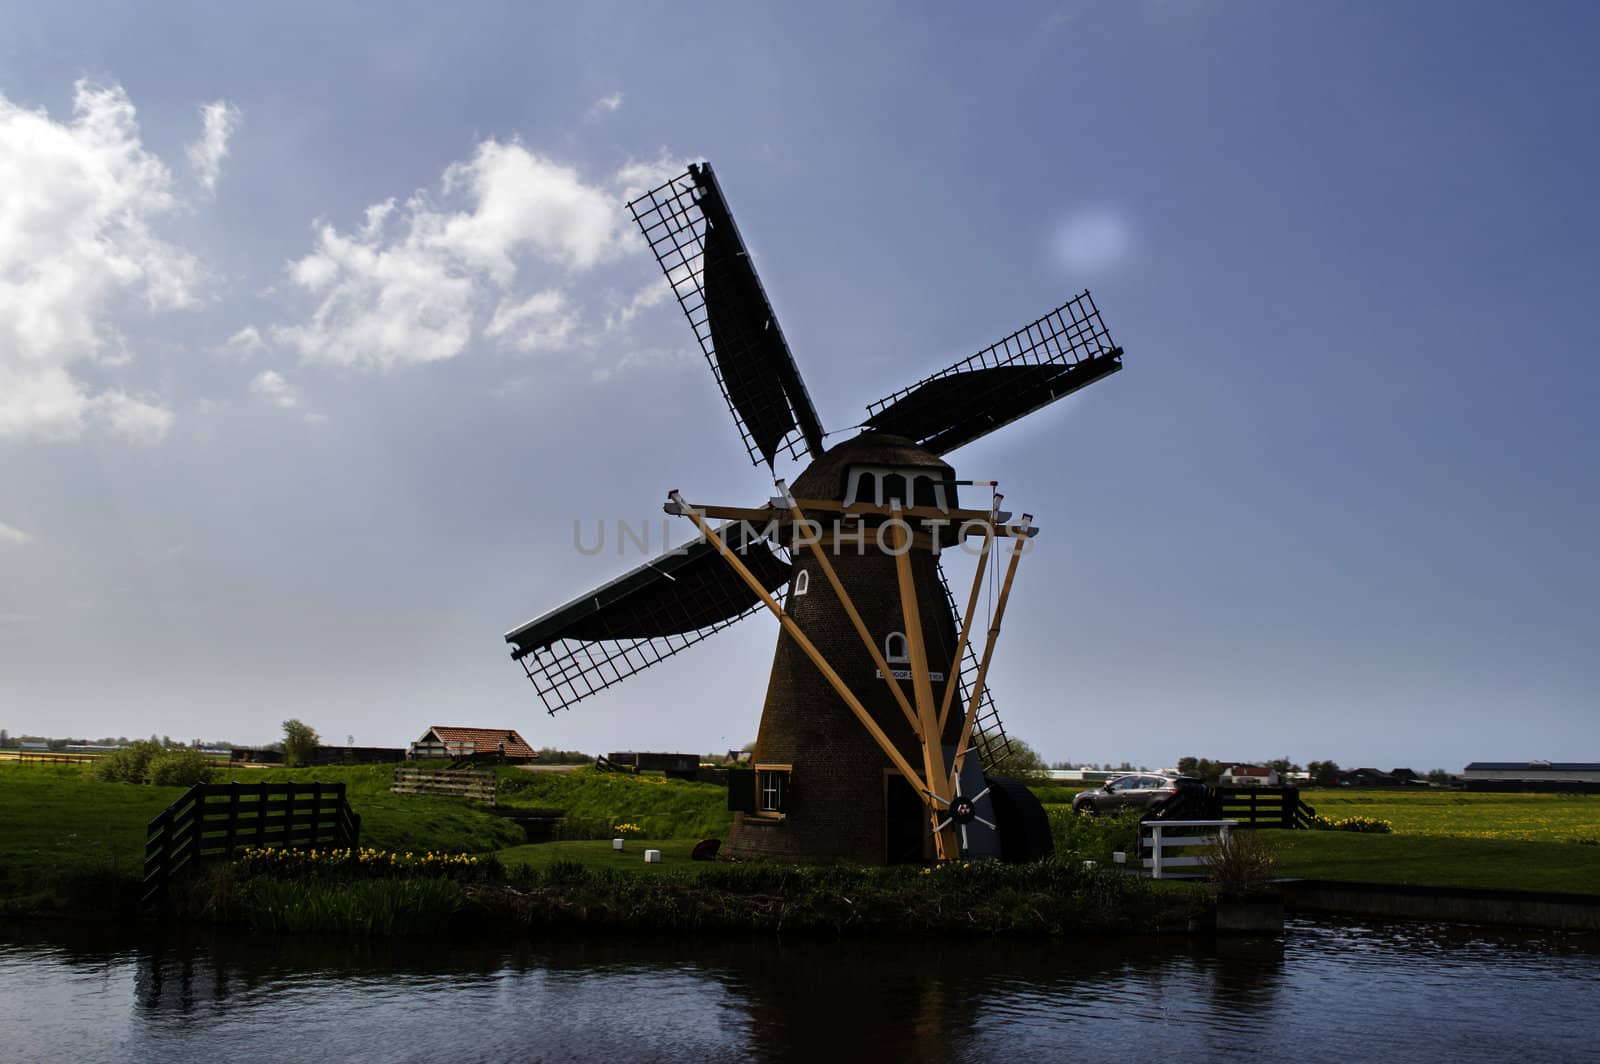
(320,327)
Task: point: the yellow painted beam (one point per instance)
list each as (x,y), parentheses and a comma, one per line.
(867,638)
(945,843)
(1018,543)
(953,677)
(805,644)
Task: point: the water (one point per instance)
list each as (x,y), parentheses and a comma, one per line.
(1326,990)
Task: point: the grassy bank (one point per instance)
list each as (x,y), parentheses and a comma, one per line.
(73,845)
(564,895)
(1438,861)
(595,801)
(1469,814)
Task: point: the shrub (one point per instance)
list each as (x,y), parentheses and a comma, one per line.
(131,764)
(178,766)
(1081,837)
(1241,863)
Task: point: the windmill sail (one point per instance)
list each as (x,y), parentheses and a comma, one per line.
(1033,367)
(666,605)
(692,234)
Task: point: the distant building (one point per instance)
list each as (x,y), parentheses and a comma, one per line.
(1533,771)
(1249,776)
(444,742)
(1367,777)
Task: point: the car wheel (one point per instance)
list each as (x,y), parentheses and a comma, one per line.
(1085,809)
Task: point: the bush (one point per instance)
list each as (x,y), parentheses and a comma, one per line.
(1242,863)
(131,764)
(178,766)
(147,762)
(1078,836)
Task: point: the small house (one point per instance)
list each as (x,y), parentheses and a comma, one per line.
(450,743)
(1250,776)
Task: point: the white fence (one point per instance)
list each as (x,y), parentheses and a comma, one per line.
(1158,836)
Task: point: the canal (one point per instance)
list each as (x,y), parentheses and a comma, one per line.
(1325,990)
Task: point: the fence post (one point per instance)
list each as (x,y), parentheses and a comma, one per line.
(233,817)
(1155,850)
(316,813)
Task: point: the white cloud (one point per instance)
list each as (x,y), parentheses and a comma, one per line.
(137,420)
(412,284)
(652,294)
(77,203)
(245,343)
(277,391)
(218,120)
(1096,238)
(11,534)
(542,322)
(606,104)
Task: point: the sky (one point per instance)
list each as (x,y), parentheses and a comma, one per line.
(320,327)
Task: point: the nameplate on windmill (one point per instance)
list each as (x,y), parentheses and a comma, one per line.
(905,674)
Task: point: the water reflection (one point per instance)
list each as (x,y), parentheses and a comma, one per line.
(1397,989)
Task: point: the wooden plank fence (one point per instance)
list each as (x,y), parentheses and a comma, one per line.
(477,784)
(215,819)
(1253,807)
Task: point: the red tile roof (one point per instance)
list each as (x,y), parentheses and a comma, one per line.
(482,740)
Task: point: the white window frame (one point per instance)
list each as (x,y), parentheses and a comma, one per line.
(902,658)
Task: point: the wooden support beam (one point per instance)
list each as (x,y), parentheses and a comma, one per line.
(805,644)
(953,679)
(945,842)
(867,637)
(1019,541)
(977,521)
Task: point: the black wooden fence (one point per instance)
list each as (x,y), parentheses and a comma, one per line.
(1256,807)
(215,819)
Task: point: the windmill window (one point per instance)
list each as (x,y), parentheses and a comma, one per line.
(773,789)
(894,647)
(894,488)
(866,489)
(923,489)
(802,583)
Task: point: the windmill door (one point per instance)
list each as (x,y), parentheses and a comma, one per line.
(906,838)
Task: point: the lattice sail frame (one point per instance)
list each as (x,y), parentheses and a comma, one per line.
(570,670)
(674,225)
(1070,336)
(989,738)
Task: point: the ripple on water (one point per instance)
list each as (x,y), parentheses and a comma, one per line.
(1396,990)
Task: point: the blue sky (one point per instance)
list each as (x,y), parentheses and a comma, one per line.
(269,448)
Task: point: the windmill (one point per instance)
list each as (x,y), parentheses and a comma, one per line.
(877,691)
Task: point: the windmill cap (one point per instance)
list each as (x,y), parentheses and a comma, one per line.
(825,477)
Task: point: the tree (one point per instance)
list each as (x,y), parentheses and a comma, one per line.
(299,743)
(1439,775)
(1324,773)
(1024,764)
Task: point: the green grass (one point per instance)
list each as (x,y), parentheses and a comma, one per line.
(1472,815)
(597,854)
(594,801)
(399,821)
(1438,860)
(70,843)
